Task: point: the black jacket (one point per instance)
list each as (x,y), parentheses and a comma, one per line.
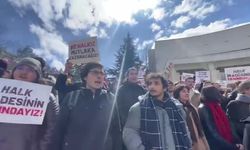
(237,111)
(127,96)
(63,88)
(88,125)
(246,139)
(215,141)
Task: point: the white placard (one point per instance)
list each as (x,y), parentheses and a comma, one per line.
(184,76)
(23,102)
(82,52)
(202,76)
(237,73)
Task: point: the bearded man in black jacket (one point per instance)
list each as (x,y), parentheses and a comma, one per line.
(128,94)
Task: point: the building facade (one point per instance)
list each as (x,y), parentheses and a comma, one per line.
(213,52)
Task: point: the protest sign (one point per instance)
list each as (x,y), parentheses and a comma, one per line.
(237,73)
(202,76)
(184,76)
(23,102)
(82,52)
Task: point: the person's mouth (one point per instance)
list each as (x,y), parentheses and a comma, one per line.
(22,76)
(152,91)
(98,82)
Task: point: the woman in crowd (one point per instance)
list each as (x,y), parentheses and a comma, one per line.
(199,141)
(217,129)
(27,136)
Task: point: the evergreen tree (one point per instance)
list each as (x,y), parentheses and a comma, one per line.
(127,52)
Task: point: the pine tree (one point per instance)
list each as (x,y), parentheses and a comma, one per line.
(128,52)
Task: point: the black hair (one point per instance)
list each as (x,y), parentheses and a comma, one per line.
(211,93)
(157,76)
(189,78)
(178,89)
(86,68)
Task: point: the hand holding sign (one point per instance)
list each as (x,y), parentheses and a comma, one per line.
(68,67)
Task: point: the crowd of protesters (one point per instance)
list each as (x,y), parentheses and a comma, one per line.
(160,115)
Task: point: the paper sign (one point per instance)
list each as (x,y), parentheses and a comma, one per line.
(23,102)
(202,76)
(82,52)
(237,73)
(184,76)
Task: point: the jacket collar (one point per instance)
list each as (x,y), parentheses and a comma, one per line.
(243,98)
(88,91)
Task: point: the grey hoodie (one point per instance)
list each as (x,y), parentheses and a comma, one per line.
(237,111)
(243,98)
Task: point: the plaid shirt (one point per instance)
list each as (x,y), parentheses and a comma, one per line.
(150,127)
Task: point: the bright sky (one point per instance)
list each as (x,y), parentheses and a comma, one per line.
(48,25)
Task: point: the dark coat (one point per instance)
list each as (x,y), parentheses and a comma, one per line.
(238,110)
(63,88)
(88,125)
(30,137)
(215,141)
(246,139)
(127,96)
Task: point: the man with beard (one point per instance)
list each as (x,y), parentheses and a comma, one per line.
(156,121)
(128,94)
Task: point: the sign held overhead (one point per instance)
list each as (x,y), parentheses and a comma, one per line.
(82,52)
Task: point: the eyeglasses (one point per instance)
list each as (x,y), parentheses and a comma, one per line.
(96,72)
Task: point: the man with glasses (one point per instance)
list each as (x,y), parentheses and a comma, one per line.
(86,120)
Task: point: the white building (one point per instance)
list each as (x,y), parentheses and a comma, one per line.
(213,52)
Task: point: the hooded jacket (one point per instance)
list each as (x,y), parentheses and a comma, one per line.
(238,110)
(246,139)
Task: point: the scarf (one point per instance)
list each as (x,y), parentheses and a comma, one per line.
(221,121)
(150,128)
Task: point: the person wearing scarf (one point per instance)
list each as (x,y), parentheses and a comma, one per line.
(156,122)
(199,141)
(217,129)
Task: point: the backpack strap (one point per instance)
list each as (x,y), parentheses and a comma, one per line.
(111,97)
(73,98)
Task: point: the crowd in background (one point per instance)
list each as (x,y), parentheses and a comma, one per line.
(158,115)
